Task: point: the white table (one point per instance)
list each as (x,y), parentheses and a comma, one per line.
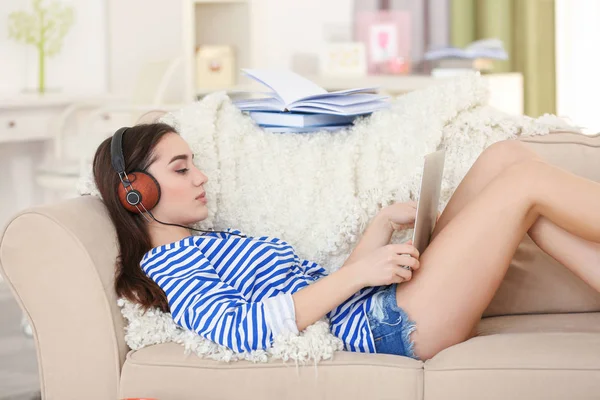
(27,128)
(24,131)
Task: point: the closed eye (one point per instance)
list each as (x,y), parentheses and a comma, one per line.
(182,171)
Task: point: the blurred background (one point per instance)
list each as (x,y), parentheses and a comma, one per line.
(73,71)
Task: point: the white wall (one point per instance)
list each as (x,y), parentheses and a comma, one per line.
(578,62)
(283,28)
(140,32)
(104,50)
(118,37)
(80,67)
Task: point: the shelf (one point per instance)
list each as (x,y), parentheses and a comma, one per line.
(210,22)
(35,100)
(392,83)
(389,83)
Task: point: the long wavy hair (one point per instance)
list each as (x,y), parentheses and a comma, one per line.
(131,282)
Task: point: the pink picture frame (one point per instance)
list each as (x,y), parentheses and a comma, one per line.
(387,37)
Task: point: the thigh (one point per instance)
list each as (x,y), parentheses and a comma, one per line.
(464,265)
(490,163)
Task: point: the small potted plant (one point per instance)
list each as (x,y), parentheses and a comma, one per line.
(44,28)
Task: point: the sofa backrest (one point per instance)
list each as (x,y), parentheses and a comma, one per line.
(59,262)
(535,282)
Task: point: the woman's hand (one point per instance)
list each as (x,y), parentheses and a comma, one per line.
(383,266)
(401,215)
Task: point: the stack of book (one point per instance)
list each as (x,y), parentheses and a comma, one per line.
(478,56)
(296,104)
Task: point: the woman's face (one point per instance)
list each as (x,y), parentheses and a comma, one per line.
(181,183)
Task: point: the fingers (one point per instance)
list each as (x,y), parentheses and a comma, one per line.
(408,261)
(405,248)
(403,274)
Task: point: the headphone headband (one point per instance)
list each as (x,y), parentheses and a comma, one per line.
(116,151)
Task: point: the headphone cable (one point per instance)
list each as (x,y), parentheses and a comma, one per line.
(194,229)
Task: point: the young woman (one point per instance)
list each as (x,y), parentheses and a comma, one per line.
(242,291)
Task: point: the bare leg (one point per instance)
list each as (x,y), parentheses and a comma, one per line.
(464,265)
(579,255)
(490,163)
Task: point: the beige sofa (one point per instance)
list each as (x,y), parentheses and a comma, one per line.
(540,338)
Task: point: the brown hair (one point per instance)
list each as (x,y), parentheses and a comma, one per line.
(131,282)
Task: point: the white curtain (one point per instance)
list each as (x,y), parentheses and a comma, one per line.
(578,62)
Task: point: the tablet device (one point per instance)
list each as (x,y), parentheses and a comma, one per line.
(429,199)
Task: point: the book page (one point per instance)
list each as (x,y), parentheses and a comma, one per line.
(341,93)
(351,99)
(290,87)
(271,104)
(356,109)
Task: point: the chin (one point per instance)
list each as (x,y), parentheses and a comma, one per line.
(201,217)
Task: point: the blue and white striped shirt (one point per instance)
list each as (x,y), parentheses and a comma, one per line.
(237,291)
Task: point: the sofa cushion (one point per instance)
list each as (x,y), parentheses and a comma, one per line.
(163,371)
(542,323)
(535,282)
(535,356)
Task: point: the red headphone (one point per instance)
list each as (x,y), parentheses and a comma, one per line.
(146,193)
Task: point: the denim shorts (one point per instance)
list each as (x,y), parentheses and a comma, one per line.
(390,325)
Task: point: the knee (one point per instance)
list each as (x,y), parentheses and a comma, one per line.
(500,155)
(507,152)
(527,169)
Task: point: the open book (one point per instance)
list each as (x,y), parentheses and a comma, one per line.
(292,92)
(485,48)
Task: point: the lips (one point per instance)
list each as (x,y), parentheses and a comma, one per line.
(203,195)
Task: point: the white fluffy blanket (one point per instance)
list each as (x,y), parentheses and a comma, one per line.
(318,191)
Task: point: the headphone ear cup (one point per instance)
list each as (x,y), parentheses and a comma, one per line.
(145,186)
(133,197)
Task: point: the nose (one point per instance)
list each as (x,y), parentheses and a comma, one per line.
(200,178)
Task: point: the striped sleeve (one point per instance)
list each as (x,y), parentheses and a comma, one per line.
(201,302)
(313,269)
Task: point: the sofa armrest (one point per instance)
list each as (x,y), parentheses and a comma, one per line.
(58,261)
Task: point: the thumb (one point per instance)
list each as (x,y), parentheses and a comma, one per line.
(409,242)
